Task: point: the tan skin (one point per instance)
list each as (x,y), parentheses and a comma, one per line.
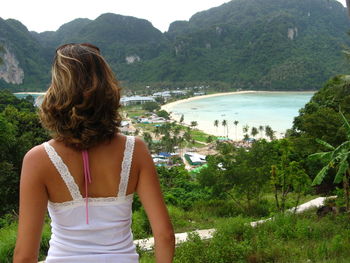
(41,182)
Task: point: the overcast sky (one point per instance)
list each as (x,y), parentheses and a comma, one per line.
(44,15)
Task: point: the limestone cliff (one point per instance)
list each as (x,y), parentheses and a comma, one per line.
(10,71)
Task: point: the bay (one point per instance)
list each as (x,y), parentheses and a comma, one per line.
(276,109)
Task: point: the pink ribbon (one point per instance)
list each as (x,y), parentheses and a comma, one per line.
(87,178)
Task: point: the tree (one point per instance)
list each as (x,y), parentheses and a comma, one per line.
(216,124)
(182,118)
(164,114)
(150,106)
(337,158)
(236,123)
(254,132)
(245,131)
(194,124)
(188,135)
(224,124)
(269,132)
(287,174)
(261,129)
(348,6)
(239,174)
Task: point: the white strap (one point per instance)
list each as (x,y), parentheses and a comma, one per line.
(63,171)
(126,164)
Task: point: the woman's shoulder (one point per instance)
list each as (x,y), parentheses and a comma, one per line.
(35,161)
(139,142)
(36,153)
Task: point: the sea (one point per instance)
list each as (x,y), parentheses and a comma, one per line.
(38,96)
(254,109)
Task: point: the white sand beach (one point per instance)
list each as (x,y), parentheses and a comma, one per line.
(206,123)
(29,93)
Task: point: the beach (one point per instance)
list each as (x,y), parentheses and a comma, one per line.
(253,108)
(30,93)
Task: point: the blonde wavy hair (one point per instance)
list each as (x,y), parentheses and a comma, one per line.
(81,105)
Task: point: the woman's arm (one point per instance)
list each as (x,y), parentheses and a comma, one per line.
(148,189)
(32,207)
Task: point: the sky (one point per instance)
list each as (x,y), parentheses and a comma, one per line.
(45,15)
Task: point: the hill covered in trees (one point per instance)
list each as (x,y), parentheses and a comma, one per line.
(248,44)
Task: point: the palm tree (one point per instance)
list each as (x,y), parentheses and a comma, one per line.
(254,132)
(224,123)
(261,129)
(245,131)
(269,132)
(194,124)
(177,130)
(216,124)
(182,118)
(336,158)
(236,123)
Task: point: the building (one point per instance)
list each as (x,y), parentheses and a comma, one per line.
(168,94)
(195,158)
(126,101)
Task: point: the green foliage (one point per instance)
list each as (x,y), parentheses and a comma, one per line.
(164,114)
(277,240)
(140,225)
(151,106)
(179,188)
(337,158)
(239,174)
(205,49)
(288,175)
(20,130)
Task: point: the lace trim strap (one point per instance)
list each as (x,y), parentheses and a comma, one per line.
(126,164)
(63,171)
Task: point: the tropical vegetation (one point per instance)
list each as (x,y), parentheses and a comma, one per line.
(238,185)
(263,44)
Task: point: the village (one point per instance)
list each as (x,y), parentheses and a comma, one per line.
(171,142)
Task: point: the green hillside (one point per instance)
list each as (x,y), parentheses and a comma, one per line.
(248,44)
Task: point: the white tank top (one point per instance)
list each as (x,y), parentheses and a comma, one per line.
(107,237)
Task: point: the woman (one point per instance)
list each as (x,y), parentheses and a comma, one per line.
(87,174)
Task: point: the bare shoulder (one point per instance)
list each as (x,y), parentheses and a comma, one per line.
(35,154)
(34,161)
(139,143)
(141,150)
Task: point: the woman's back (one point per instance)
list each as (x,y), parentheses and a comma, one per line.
(105,168)
(91,216)
(96,229)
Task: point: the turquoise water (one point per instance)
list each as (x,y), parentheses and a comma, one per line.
(276,109)
(36,95)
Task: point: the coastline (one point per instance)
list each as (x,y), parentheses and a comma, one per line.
(174,103)
(35,93)
(208,129)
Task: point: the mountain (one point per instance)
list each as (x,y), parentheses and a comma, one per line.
(24,64)
(248,44)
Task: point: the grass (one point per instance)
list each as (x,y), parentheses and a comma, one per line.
(287,238)
(200,136)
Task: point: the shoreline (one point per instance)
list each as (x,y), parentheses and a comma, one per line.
(214,131)
(35,93)
(174,103)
